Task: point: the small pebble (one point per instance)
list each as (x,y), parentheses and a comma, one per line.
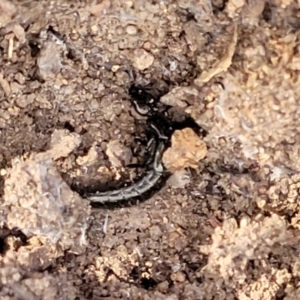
(131,29)
(142,59)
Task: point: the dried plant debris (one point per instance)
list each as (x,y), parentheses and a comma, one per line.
(223,64)
(119,155)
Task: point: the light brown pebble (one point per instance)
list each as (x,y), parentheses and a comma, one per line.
(24,100)
(179,179)
(131,29)
(155,232)
(115,68)
(178,276)
(142,59)
(118,153)
(147,45)
(20,78)
(163,286)
(94,29)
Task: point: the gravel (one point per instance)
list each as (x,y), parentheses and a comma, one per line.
(226,224)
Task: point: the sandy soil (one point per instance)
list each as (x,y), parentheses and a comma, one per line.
(226,228)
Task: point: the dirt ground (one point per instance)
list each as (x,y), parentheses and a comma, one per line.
(227,228)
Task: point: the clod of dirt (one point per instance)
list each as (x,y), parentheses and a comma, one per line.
(49,61)
(248,104)
(98,9)
(270,195)
(234,6)
(89,159)
(142,59)
(180,96)
(223,64)
(249,10)
(40,203)
(234,245)
(63,143)
(119,155)
(253,11)
(5,85)
(186,151)
(179,179)
(21,282)
(7,11)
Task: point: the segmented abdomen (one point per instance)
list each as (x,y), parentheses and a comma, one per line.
(135,190)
